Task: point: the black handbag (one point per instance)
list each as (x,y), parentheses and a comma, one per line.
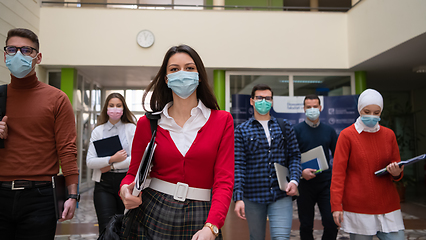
(113,229)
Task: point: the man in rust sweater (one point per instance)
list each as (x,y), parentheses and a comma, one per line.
(38,132)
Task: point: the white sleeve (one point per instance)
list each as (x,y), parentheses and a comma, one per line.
(92,159)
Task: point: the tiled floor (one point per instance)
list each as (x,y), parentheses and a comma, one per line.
(84,224)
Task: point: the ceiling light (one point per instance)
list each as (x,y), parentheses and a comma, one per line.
(420,69)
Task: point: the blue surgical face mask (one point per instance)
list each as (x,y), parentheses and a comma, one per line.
(370,120)
(262,106)
(19,65)
(312,113)
(183,83)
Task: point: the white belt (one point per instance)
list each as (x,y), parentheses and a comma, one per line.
(180,191)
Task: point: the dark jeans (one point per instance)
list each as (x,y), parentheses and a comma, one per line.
(312,193)
(27,214)
(106,198)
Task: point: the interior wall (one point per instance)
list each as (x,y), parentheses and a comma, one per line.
(19,14)
(224,39)
(379,25)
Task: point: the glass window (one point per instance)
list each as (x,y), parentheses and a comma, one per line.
(134,99)
(243,84)
(108,92)
(86,96)
(322,85)
(96,99)
(55,79)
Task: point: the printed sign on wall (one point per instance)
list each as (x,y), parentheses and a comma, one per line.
(337,111)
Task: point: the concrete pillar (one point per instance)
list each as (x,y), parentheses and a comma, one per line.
(218,3)
(314,4)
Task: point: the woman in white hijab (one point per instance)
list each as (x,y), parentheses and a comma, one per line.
(362,203)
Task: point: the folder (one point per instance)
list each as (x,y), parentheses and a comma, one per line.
(315,159)
(145,167)
(108,146)
(406,162)
(59,194)
(282,176)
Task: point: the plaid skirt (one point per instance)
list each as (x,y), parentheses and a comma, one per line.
(160,217)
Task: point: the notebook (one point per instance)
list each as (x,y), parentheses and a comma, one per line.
(282,176)
(145,166)
(315,159)
(406,162)
(108,146)
(59,194)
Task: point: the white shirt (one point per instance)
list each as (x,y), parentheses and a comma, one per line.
(183,137)
(125,132)
(370,224)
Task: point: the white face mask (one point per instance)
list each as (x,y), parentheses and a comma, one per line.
(183,83)
(19,65)
(312,113)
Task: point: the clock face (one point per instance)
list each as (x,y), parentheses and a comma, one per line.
(145,38)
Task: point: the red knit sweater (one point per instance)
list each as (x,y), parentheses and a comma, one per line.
(208,164)
(354,187)
(41,127)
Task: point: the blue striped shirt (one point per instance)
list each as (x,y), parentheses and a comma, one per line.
(255,176)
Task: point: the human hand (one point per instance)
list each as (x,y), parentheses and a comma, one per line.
(338,218)
(69,209)
(291,189)
(308,173)
(105,169)
(204,234)
(128,199)
(3,128)
(118,156)
(240,209)
(394,169)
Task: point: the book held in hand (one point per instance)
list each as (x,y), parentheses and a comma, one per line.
(108,146)
(282,176)
(59,194)
(315,159)
(406,162)
(145,167)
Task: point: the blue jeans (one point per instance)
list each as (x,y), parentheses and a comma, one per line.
(27,214)
(280,214)
(381,235)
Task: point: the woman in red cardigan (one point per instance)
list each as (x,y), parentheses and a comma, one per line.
(362,203)
(193,171)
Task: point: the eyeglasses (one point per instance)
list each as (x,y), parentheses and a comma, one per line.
(26,50)
(259,98)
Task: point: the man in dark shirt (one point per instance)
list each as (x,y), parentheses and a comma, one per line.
(314,188)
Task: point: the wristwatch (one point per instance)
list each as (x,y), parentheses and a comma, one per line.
(74,196)
(214,229)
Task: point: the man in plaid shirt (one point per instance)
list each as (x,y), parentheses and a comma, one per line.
(259,143)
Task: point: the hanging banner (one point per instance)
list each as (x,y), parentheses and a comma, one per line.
(337,111)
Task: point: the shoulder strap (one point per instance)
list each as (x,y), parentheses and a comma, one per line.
(153,120)
(3,97)
(285,134)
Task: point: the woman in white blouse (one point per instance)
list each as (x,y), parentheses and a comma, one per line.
(115,119)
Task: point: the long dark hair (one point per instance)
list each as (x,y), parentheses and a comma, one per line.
(162,94)
(128,116)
